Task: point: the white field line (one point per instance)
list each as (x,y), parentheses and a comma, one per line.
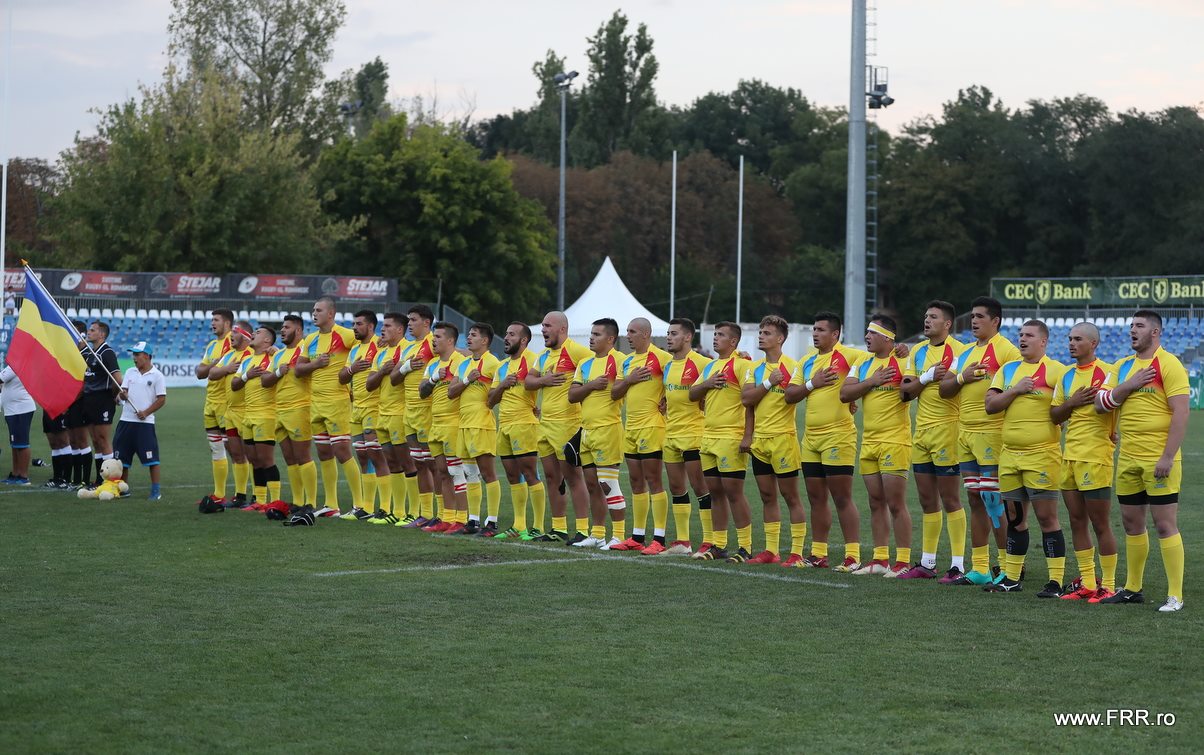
(446,567)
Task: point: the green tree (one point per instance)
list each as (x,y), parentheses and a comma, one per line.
(433,211)
(174,182)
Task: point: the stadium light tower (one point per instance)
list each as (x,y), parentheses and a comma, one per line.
(562,81)
(854,260)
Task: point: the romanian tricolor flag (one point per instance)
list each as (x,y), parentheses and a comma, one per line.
(44,350)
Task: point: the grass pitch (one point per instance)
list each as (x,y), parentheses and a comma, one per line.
(147,627)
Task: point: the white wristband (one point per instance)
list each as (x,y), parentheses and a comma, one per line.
(280,371)
(766,384)
(928,376)
(406,367)
(810,386)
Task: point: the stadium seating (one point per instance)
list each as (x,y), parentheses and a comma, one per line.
(1182,336)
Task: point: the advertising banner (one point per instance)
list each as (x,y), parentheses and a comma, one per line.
(1168,291)
(14,279)
(308,287)
(94,283)
(183,285)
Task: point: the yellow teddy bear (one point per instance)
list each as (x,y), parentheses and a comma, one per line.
(112,487)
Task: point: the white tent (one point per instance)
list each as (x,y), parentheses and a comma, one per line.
(607,296)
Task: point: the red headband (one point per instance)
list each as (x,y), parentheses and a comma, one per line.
(242,332)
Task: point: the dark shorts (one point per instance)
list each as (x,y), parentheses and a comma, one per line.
(98,408)
(136,439)
(18,429)
(74,416)
(54,424)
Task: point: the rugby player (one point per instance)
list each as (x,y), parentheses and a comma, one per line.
(477,439)
(684,424)
(1031,460)
(1087,470)
(221,321)
(1151,390)
(979,437)
(771,437)
(601,434)
(391,423)
(409,371)
(365,406)
(885,446)
(560,427)
(724,464)
(258,429)
(641,388)
(443,436)
(292,413)
(934,444)
(518,435)
(232,407)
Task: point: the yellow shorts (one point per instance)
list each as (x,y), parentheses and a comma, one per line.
(979,448)
(363,420)
(885,458)
(1039,469)
(1085,475)
(838,449)
(553,436)
(418,421)
(778,451)
(602,446)
(293,424)
(723,454)
(331,420)
(392,429)
(213,414)
(676,447)
(518,440)
(261,429)
(444,440)
(232,419)
(476,442)
(935,444)
(1137,475)
(647,440)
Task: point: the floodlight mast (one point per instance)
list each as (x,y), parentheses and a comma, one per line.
(562,81)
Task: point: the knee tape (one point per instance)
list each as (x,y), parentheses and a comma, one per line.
(472,473)
(321,439)
(217,448)
(970,483)
(617,505)
(455,468)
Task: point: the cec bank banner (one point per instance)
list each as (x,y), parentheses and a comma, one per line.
(1170,291)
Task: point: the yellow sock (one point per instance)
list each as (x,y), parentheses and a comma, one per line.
(330,482)
(397,487)
(798,536)
(1137,550)
(462,516)
(681,521)
(242,473)
(351,470)
(260,492)
(744,538)
(881,552)
(708,529)
(518,497)
(719,538)
(560,523)
(437,502)
(1013,566)
(660,511)
(773,536)
(294,484)
(818,549)
(639,512)
(368,490)
(903,556)
(384,490)
(1172,561)
(1107,565)
(932,531)
(309,482)
(476,494)
(619,530)
(955,522)
(426,505)
(980,558)
(220,470)
(598,532)
(1086,559)
(274,490)
(853,551)
(538,495)
(493,499)
(413,495)
(1057,568)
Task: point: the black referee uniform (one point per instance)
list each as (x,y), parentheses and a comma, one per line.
(97,403)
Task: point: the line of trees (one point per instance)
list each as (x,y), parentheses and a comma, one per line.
(245,157)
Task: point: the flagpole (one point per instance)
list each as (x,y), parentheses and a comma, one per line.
(673,239)
(8,65)
(739,239)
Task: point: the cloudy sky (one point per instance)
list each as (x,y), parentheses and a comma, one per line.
(70,56)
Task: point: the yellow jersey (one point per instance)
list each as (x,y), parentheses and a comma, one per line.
(554,403)
(599,409)
(233,398)
(215,350)
(772,415)
(825,411)
(931,408)
(724,414)
(884,416)
(1026,423)
(258,402)
(517,406)
(444,411)
(292,392)
(643,400)
(1145,416)
(361,397)
(683,418)
(1088,433)
(392,398)
(475,413)
(412,380)
(324,385)
(972,411)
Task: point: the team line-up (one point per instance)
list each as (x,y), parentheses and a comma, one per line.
(410,420)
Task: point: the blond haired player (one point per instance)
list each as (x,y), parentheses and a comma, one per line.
(478,430)
(518,435)
(292,413)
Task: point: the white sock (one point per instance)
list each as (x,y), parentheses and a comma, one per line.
(928,560)
(959,563)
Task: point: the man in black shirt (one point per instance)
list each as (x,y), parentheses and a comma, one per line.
(98,402)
